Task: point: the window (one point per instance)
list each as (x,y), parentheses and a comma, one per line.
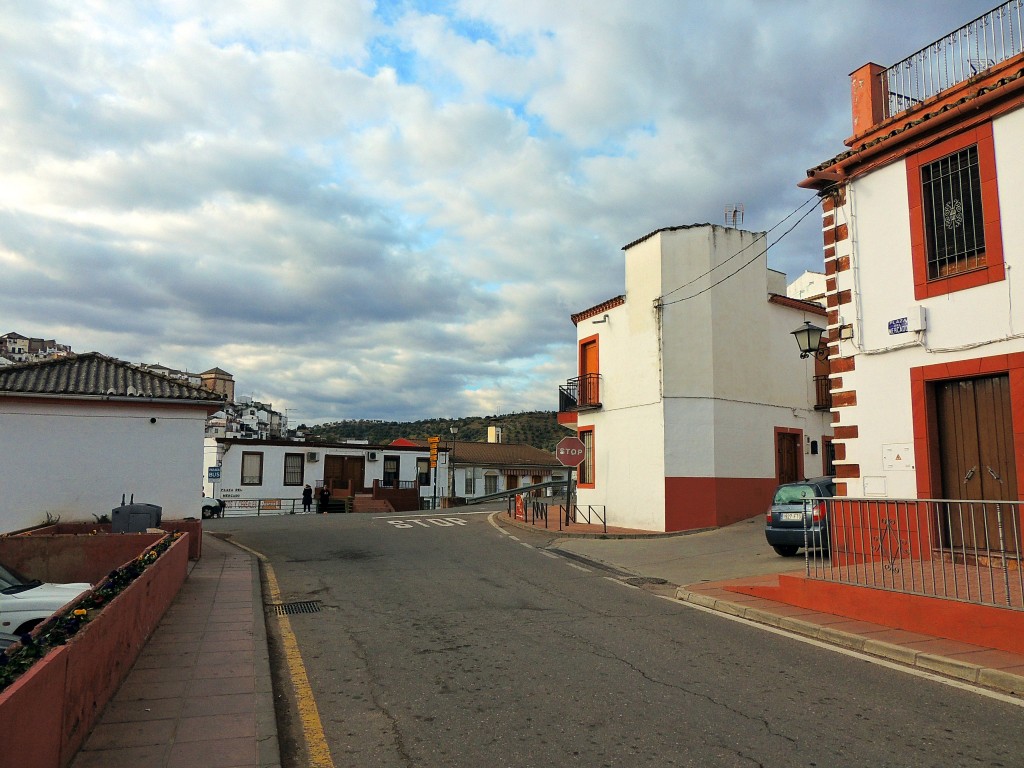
(490,484)
(294,465)
(390,472)
(470,486)
(955,235)
(954,227)
(423,471)
(585,478)
(252,468)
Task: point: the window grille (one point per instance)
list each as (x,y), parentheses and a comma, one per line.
(953,221)
(586,471)
(293,468)
(252,468)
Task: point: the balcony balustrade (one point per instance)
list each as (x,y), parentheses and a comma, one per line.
(582,393)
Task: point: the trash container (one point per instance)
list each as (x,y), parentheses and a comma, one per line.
(135,517)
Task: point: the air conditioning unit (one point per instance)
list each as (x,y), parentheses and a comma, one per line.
(312,456)
(371,456)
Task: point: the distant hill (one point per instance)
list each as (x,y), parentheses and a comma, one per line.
(537,428)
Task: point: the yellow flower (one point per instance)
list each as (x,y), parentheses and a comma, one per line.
(80,612)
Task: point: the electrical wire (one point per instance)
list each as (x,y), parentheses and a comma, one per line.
(775,226)
(808,212)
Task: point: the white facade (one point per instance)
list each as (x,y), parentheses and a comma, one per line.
(314,458)
(74,459)
(695,384)
(900,333)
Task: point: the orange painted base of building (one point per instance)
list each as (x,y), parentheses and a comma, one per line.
(711,502)
(986,626)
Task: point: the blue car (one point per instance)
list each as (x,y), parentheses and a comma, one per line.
(791,513)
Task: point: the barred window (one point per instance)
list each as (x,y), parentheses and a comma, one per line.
(586,471)
(294,464)
(252,468)
(423,471)
(490,483)
(469,487)
(954,226)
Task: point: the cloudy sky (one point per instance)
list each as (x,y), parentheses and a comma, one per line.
(389,209)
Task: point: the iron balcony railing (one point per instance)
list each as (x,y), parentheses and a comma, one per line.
(960,550)
(989,39)
(822,393)
(580,394)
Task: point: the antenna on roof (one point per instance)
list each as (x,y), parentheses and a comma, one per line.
(734,214)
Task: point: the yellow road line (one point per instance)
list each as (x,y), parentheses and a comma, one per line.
(312,728)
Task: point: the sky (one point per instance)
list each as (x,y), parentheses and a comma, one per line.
(389,210)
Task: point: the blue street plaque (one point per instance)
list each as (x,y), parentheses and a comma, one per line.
(899,325)
(213,473)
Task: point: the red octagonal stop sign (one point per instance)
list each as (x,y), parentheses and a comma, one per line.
(570,452)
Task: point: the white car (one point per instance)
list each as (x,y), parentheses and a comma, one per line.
(212,507)
(24,602)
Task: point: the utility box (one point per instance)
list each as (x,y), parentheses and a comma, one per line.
(135,517)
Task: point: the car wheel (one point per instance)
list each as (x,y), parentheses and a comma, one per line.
(208,512)
(27,627)
(786,550)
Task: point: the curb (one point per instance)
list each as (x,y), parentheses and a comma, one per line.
(1005,682)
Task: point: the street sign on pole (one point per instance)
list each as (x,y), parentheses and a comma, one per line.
(570,452)
(213,473)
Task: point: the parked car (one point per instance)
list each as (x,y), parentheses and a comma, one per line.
(26,602)
(790,510)
(212,507)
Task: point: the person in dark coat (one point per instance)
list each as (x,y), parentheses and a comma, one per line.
(325,499)
(307,499)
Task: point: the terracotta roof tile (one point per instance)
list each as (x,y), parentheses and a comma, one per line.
(92,374)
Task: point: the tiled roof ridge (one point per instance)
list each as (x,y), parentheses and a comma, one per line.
(922,118)
(597,309)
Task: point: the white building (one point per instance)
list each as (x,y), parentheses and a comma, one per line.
(922,240)
(692,398)
(276,470)
(78,432)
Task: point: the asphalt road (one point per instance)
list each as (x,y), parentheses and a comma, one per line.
(442,641)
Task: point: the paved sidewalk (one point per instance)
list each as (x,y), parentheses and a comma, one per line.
(200,692)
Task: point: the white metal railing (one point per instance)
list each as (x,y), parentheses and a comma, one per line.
(989,39)
(962,550)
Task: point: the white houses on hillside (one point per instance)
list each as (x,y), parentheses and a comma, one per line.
(922,241)
(692,399)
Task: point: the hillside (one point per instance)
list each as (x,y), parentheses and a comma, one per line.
(537,428)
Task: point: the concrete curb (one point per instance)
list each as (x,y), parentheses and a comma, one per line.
(1005,682)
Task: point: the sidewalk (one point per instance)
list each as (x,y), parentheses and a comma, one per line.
(710,568)
(200,692)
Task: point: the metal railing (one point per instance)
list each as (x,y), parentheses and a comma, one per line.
(989,39)
(823,391)
(534,511)
(582,392)
(259,507)
(961,550)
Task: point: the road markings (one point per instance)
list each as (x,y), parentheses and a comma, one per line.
(440,522)
(312,727)
(615,580)
(550,554)
(959,684)
(578,567)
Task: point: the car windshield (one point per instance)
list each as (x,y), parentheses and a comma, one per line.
(11,581)
(794,494)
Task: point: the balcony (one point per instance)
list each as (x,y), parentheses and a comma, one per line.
(582,393)
(990,39)
(822,393)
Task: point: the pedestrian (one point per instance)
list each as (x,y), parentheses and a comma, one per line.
(307,498)
(325,499)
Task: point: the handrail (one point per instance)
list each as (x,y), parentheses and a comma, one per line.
(978,45)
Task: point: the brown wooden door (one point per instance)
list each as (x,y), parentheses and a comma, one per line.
(787,449)
(342,473)
(975,434)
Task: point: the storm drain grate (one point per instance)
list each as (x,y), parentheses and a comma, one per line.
(302,606)
(639,581)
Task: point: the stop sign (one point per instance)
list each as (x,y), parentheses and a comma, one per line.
(570,452)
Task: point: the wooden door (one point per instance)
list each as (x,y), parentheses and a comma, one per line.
(344,474)
(589,369)
(787,459)
(976,458)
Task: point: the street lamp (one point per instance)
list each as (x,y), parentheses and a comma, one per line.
(808,338)
(451,466)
